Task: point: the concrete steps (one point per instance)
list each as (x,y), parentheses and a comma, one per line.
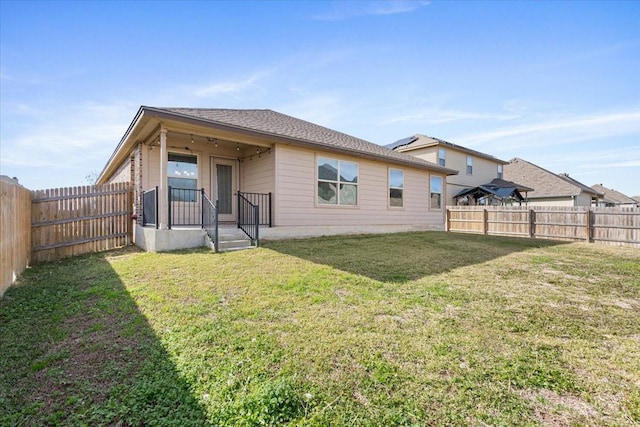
(232,239)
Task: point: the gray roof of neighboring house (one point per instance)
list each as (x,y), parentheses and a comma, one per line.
(421,141)
(274,124)
(614,196)
(544,182)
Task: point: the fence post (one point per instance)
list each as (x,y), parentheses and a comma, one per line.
(447,219)
(589,228)
(532,223)
(485,221)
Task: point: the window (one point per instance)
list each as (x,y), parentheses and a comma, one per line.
(469,165)
(396,185)
(182,172)
(441,157)
(337,182)
(500,171)
(436,192)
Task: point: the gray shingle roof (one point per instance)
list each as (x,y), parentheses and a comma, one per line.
(544,182)
(613,195)
(274,124)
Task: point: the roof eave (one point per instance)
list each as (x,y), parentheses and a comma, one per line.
(121,145)
(159,113)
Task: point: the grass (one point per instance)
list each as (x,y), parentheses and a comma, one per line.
(403,329)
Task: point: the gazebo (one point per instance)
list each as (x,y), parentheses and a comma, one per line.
(496,192)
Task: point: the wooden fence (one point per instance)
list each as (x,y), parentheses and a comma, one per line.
(77,220)
(618,226)
(15,231)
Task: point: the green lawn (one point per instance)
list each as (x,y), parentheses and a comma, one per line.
(404,329)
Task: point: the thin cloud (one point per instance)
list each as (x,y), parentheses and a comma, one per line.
(346,10)
(435,116)
(581,127)
(230,87)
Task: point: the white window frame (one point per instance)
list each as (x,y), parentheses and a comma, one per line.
(500,171)
(442,157)
(401,188)
(337,182)
(469,165)
(431,192)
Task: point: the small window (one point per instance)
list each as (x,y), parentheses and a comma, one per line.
(500,171)
(469,165)
(441,157)
(337,182)
(182,173)
(436,192)
(396,187)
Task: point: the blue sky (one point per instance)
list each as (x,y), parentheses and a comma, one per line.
(555,83)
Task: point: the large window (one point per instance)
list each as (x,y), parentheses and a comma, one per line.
(469,165)
(337,182)
(436,192)
(500,171)
(182,172)
(396,187)
(441,157)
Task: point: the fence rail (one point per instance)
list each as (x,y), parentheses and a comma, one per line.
(619,226)
(77,220)
(15,231)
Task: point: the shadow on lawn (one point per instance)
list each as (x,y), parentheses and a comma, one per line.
(404,256)
(74,349)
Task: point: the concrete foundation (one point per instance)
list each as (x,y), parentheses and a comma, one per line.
(280,233)
(153,240)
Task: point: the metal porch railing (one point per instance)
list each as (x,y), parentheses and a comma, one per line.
(249,219)
(150,208)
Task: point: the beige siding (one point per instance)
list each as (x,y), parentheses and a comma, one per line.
(257,175)
(583,199)
(552,201)
(484,170)
(296,184)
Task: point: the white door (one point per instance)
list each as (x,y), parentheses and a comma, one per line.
(223,178)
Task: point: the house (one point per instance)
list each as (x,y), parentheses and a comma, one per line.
(550,189)
(196,169)
(475,168)
(613,198)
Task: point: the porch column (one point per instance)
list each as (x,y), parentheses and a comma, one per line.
(163,205)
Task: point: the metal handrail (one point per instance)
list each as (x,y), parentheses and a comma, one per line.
(210,219)
(263,201)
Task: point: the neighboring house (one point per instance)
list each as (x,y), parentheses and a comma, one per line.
(307,179)
(613,198)
(549,189)
(475,168)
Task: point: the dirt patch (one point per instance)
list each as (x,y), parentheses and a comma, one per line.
(554,409)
